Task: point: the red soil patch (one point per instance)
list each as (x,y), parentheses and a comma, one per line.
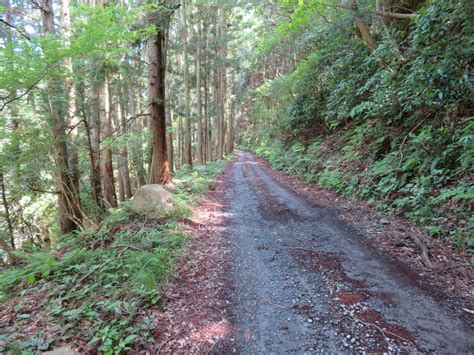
(318,261)
(391,331)
(350,299)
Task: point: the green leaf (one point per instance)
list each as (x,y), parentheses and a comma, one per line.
(31,279)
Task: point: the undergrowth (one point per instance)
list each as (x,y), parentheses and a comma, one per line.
(427,179)
(94,287)
(393,126)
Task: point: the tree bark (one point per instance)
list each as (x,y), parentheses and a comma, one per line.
(123,151)
(361,24)
(207,125)
(68,202)
(6,207)
(169,111)
(170,138)
(72,121)
(188,158)
(93,131)
(223,80)
(137,147)
(231,136)
(122,161)
(200,150)
(159,168)
(106,165)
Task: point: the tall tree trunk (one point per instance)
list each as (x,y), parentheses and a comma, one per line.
(217,153)
(169,124)
(115,114)
(106,162)
(121,191)
(188,158)
(207,125)
(6,207)
(230,142)
(169,110)
(123,176)
(180,141)
(93,131)
(200,150)
(159,168)
(68,201)
(137,147)
(14,139)
(123,152)
(222,81)
(72,120)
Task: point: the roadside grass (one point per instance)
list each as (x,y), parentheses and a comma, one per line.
(94,287)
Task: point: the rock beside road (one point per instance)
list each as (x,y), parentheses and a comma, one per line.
(151,198)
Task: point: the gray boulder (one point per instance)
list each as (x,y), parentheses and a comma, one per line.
(152,198)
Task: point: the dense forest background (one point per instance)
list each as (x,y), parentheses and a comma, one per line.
(372,99)
(78,100)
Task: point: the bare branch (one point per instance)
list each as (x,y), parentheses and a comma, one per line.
(43,191)
(396,15)
(31,87)
(38,6)
(16,29)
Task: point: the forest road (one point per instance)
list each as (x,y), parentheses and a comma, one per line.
(303,281)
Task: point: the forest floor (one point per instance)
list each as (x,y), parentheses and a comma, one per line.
(278,266)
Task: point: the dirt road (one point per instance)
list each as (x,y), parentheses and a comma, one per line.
(302,280)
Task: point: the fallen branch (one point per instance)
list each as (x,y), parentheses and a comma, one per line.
(461,264)
(383,331)
(168,340)
(468,310)
(424,251)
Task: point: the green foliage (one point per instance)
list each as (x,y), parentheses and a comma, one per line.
(331,179)
(192,183)
(392,126)
(97,283)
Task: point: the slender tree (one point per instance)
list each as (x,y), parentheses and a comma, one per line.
(188,157)
(198,59)
(68,203)
(106,165)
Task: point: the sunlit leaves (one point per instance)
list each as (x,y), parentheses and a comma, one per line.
(103,32)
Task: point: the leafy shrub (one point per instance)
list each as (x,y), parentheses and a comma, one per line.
(331,179)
